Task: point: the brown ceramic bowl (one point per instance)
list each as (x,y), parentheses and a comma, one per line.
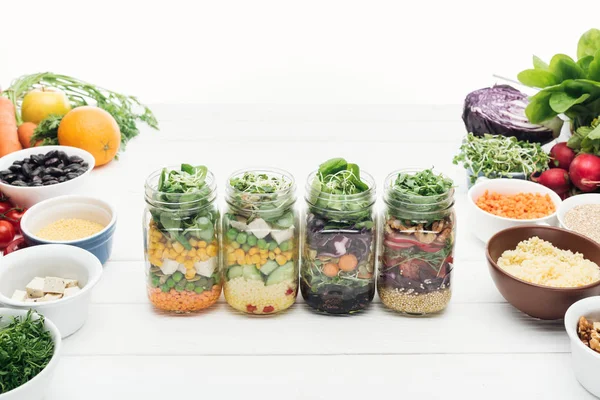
(538,301)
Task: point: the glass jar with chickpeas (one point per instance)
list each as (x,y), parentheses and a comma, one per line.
(260,241)
(181,239)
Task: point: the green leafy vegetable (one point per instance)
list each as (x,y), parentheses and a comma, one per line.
(589,43)
(499,156)
(334,182)
(268,196)
(423,183)
(26,348)
(47,131)
(259,183)
(568,86)
(126,110)
(586,139)
(183,200)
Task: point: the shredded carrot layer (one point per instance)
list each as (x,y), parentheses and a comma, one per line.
(517,206)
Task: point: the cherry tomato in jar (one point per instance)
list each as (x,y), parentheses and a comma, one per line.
(15,245)
(14,216)
(7,233)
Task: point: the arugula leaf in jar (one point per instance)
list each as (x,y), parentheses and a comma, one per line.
(423,183)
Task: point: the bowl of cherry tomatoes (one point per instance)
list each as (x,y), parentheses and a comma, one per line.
(10,226)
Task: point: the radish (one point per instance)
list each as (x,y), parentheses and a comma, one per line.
(556,179)
(562,156)
(585,172)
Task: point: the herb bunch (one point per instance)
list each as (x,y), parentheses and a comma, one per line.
(495,156)
(26,348)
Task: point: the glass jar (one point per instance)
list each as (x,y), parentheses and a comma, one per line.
(260,243)
(416,250)
(338,256)
(181,246)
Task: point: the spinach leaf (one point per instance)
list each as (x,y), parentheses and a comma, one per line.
(332,166)
(589,43)
(563,67)
(537,78)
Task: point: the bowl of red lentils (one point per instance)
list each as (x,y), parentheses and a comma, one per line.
(82,221)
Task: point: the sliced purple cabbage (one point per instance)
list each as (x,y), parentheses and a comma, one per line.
(500,110)
(337,242)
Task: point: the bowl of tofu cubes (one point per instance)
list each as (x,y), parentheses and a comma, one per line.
(56,280)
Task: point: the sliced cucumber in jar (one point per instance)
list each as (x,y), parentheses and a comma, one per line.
(234,272)
(251,273)
(281,274)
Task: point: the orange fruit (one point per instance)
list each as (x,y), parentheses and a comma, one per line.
(91,129)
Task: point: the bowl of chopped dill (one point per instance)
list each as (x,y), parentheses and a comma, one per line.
(30,351)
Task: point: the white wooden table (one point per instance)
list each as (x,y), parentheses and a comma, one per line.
(480,347)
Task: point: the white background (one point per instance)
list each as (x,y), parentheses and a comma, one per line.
(291,52)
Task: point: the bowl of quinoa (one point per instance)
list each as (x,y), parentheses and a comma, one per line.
(85,222)
(543,270)
(581,214)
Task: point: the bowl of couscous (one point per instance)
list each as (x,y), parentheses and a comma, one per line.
(543,270)
(81,221)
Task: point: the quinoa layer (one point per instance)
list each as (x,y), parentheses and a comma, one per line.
(426,303)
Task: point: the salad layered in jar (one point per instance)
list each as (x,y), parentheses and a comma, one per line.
(181,239)
(417,245)
(338,264)
(260,240)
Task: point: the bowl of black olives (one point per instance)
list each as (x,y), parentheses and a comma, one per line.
(31,175)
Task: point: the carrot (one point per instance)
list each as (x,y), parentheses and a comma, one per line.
(517,206)
(9,138)
(348,262)
(25,132)
(330,270)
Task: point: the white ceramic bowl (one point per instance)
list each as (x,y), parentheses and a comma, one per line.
(485,225)
(574,201)
(586,362)
(18,268)
(25,196)
(36,388)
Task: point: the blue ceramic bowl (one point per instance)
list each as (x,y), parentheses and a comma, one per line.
(81,207)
